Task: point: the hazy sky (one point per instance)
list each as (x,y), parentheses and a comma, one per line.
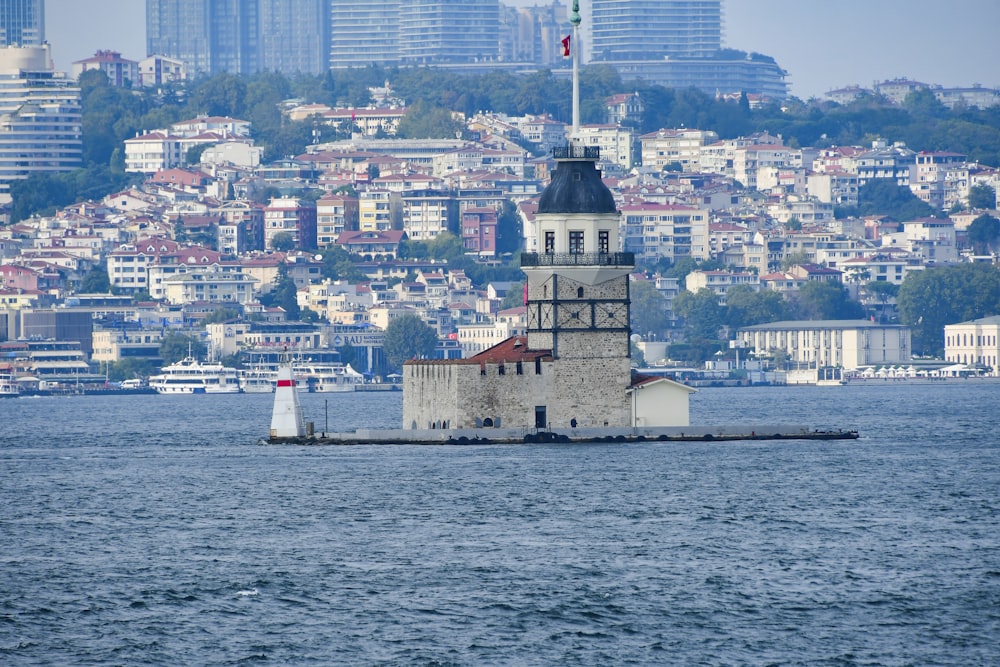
(823,44)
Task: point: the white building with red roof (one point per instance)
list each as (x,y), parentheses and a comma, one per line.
(121,72)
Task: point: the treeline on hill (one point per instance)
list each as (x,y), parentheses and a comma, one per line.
(111,115)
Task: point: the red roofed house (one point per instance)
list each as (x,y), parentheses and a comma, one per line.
(121,72)
(384,245)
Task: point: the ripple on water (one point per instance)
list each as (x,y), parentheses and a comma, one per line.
(166,536)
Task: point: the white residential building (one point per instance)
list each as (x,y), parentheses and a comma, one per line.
(40,118)
(151,152)
(847,344)
(682,146)
(616,142)
(720,281)
(655,231)
(839,188)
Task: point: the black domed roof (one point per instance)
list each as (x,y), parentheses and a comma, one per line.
(576,187)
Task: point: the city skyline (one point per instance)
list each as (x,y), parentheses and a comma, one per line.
(859,43)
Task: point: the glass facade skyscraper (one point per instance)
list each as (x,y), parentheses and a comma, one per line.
(240,36)
(651,29)
(22,22)
(294,36)
(413,32)
(449,31)
(364,33)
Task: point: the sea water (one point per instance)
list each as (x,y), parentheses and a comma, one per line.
(140,530)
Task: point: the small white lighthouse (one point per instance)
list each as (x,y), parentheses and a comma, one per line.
(286,419)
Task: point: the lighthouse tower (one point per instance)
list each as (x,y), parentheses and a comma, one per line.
(578,283)
(286,416)
(572,369)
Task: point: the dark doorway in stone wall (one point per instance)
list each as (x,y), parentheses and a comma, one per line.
(539,416)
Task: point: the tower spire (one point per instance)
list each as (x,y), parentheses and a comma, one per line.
(574,19)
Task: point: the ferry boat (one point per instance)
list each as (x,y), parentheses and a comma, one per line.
(189,376)
(326,378)
(257,380)
(8,384)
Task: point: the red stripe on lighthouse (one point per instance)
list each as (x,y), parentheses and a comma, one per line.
(286,383)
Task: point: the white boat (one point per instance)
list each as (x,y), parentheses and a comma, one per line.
(189,376)
(8,385)
(257,380)
(326,378)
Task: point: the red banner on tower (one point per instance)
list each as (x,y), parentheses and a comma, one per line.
(565,43)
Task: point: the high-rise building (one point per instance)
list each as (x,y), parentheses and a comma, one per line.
(652,29)
(22,22)
(240,36)
(533,34)
(234,32)
(414,32)
(40,128)
(294,36)
(673,43)
(449,31)
(179,29)
(363,34)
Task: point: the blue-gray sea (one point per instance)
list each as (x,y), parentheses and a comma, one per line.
(155,530)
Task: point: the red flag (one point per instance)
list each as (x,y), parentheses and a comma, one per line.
(565,43)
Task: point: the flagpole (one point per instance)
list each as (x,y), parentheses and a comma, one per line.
(574,19)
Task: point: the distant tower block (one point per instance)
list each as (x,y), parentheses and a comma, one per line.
(286,418)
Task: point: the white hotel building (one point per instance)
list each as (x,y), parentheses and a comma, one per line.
(847,344)
(976,342)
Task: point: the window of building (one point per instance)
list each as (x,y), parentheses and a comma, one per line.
(602,241)
(576,242)
(550,242)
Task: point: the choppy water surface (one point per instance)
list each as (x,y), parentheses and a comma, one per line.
(153,530)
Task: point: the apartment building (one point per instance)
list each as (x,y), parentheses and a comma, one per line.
(40,118)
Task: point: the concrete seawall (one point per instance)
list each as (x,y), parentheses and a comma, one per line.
(482,436)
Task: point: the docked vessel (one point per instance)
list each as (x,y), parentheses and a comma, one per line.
(257,380)
(326,378)
(189,376)
(8,384)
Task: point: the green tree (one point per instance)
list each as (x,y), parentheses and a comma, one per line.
(984,232)
(930,299)
(131,367)
(407,337)
(884,196)
(284,294)
(702,314)
(509,236)
(514,298)
(349,356)
(746,307)
(337,265)
(283,241)
(446,246)
(649,309)
(982,196)
(222,315)
(824,300)
(798,258)
(96,281)
(881,291)
(176,346)
(231,361)
(425,121)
